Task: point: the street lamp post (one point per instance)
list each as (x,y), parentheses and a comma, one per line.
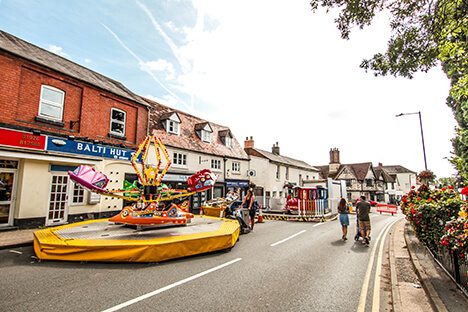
(422,135)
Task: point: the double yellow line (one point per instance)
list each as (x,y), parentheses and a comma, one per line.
(378,269)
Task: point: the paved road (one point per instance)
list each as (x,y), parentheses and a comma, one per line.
(281,266)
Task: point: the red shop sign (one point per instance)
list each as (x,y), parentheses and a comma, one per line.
(22,139)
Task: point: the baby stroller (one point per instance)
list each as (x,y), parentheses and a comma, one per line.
(358,231)
(236,212)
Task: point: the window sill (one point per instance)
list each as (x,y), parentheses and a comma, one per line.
(50,121)
(117,136)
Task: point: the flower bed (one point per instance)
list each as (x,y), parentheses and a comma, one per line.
(439,219)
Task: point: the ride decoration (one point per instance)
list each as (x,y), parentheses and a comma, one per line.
(149,194)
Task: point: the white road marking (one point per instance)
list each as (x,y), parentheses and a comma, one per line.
(318,224)
(286,239)
(153,293)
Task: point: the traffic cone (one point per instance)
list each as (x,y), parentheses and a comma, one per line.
(260,215)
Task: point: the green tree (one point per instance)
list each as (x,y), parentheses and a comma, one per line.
(425,33)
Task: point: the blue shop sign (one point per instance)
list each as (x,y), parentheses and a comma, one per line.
(89,149)
(237,184)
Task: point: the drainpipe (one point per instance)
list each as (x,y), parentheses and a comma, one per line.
(148,121)
(224,169)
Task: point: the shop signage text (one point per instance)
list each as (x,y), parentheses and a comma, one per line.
(22,139)
(89,149)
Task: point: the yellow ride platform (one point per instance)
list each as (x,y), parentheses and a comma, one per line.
(101,240)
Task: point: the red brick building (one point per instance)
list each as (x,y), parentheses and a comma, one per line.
(55,115)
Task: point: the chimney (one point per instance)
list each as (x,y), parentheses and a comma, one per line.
(248,143)
(334,160)
(275,149)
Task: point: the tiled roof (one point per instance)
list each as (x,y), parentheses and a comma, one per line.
(358,170)
(396,169)
(32,53)
(279,159)
(380,172)
(188,138)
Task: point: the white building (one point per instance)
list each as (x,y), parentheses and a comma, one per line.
(404,179)
(271,172)
(195,144)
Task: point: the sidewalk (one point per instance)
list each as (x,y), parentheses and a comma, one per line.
(16,238)
(418,283)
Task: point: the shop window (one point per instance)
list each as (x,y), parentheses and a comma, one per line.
(117,126)
(78,194)
(8,164)
(51,105)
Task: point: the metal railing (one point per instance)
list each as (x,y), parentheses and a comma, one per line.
(455,264)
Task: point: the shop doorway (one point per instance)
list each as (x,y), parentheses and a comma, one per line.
(58,200)
(7,196)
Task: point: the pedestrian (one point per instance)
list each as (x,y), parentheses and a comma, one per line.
(344,219)
(362,209)
(248,202)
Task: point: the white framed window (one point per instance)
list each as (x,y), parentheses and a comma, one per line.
(216,164)
(118,118)
(236,167)
(179,159)
(51,105)
(228,141)
(286,174)
(173,127)
(277,172)
(206,136)
(78,194)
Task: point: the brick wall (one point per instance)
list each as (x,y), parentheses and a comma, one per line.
(20,85)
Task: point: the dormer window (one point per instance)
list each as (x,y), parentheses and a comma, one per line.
(206,136)
(204,131)
(173,127)
(171,122)
(226,137)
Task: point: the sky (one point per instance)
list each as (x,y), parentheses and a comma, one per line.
(271,70)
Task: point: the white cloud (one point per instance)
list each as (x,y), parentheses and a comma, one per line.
(159,66)
(57,50)
(87,60)
(165,100)
(281,73)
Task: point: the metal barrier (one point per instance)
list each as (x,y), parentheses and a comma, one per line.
(312,207)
